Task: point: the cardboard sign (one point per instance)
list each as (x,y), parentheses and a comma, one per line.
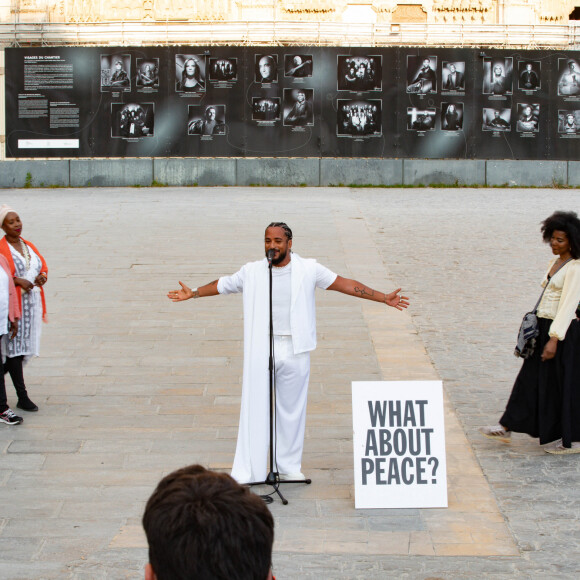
(399,444)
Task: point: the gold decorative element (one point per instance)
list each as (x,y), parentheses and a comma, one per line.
(409,13)
(460,11)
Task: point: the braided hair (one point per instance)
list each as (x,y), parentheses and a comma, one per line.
(282,225)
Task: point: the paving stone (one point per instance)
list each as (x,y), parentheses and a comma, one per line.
(132,386)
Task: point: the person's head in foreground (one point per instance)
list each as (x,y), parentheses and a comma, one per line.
(203,525)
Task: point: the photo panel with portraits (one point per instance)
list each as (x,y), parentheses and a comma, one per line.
(132,120)
(206,120)
(266,68)
(147,74)
(359,118)
(190,73)
(223,69)
(298,107)
(453,77)
(421,74)
(359,73)
(529,77)
(421,119)
(298,65)
(569,122)
(452,116)
(498,119)
(528,116)
(115,72)
(568,77)
(497,76)
(266,109)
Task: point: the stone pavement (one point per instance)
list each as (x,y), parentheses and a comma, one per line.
(132,386)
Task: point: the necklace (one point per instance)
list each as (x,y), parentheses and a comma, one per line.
(25,253)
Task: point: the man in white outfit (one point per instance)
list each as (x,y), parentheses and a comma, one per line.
(294,280)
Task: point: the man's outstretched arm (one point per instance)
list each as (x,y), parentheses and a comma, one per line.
(185,293)
(354,288)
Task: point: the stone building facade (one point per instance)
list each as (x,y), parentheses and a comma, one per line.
(379,11)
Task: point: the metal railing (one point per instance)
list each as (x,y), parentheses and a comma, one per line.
(564,36)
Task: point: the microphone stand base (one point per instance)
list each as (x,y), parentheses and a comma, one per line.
(273,480)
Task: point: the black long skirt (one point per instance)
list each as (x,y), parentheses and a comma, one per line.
(545,399)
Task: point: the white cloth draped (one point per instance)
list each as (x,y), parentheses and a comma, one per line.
(250,462)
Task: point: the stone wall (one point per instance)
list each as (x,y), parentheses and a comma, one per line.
(295,172)
(431,11)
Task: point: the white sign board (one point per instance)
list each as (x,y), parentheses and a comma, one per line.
(399,444)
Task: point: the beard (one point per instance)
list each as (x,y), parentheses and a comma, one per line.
(280,258)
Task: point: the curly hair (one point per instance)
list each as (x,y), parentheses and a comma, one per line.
(567,222)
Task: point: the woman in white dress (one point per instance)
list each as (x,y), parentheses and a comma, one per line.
(30,273)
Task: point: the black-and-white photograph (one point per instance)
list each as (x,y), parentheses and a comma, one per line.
(497,119)
(528,118)
(132,120)
(147,73)
(359,73)
(223,69)
(190,73)
(266,109)
(421,119)
(115,72)
(298,107)
(421,74)
(298,65)
(568,77)
(569,122)
(208,120)
(359,118)
(453,77)
(497,76)
(451,116)
(529,75)
(266,68)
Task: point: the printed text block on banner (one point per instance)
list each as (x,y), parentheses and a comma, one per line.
(399,444)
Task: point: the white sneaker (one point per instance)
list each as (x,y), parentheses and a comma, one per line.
(496,432)
(292,476)
(552,445)
(557,448)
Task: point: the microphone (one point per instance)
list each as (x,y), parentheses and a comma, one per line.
(270,255)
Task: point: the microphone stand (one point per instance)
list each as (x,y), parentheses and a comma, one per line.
(273,477)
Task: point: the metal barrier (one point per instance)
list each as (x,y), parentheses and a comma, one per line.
(564,36)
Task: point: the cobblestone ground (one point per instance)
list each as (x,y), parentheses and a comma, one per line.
(472,261)
(130,388)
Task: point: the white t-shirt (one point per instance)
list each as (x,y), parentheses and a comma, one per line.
(252,280)
(281,297)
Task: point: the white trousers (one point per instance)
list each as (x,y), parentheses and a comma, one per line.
(292,373)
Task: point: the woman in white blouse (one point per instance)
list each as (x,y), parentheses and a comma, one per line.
(545,400)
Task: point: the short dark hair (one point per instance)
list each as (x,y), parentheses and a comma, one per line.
(567,222)
(282,225)
(204,525)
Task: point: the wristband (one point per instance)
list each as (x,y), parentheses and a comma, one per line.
(195,293)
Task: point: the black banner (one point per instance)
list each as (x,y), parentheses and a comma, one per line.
(292,102)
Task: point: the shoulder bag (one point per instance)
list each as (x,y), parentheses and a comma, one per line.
(529,327)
